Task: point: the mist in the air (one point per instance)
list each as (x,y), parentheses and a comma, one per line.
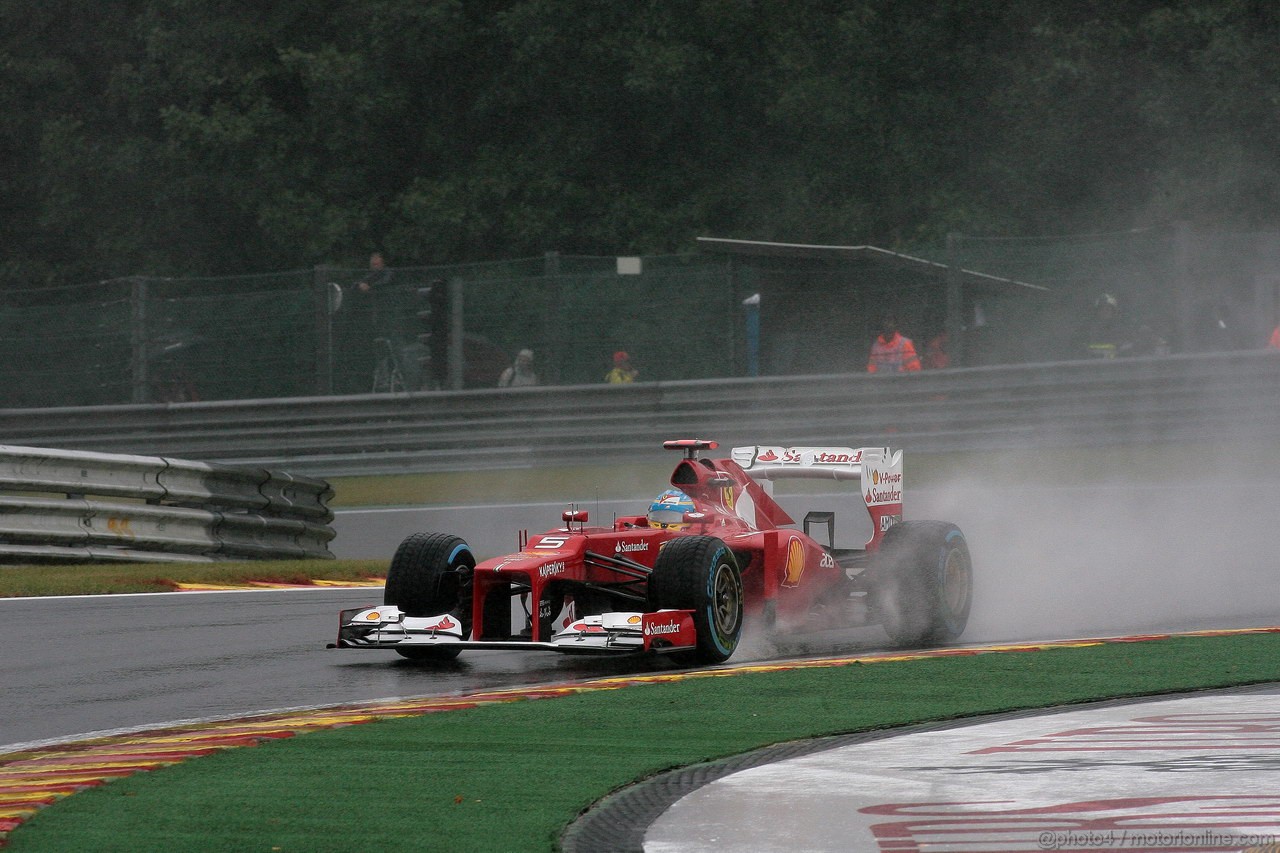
(1122,554)
(1157,539)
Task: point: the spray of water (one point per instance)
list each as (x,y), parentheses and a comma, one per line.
(1120,554)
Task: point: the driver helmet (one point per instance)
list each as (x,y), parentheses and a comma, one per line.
(668,509)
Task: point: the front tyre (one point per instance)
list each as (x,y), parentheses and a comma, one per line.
(428,576)
(699,573)
(925,582)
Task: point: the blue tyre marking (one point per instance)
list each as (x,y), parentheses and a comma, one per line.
(942,577)
(711,605)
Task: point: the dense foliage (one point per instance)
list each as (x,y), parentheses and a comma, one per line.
(176,137)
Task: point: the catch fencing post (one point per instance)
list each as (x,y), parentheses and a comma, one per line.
(456,331)
(752,306)
(138,339)
(1182,296)
(552,349)
(325,303)
(955,301)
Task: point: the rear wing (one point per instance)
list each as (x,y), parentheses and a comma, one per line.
(826,463)
(878,468)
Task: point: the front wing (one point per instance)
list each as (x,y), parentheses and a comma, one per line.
(387,627)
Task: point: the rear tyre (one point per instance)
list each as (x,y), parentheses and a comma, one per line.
(925,578)
(428,575)
(699,573)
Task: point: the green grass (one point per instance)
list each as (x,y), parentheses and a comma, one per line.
(103,578)
(515,486)
(512,776)
(1157,464)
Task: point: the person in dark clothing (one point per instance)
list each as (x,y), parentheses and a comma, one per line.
(1110,334)
(378,276)
(363,325)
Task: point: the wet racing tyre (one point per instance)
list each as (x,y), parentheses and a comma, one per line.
(699,573)
(428,575)
(924,577)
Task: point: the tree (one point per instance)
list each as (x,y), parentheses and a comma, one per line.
(183,138)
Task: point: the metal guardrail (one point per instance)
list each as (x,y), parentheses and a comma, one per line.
(1175,398)
(127,508)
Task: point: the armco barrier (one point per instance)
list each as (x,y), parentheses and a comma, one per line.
(1176,398)
(147,508)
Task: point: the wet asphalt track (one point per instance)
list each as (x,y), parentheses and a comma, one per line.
(80,665)
(1051,563)
(86,664)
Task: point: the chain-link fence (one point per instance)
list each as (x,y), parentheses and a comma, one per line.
(1182,290)
(300,333)
(158,340)
(461,327)
(319,332)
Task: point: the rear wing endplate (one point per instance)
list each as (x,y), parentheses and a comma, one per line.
(878,468)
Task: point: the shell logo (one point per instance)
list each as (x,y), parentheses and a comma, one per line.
(795,563)
(875,477)
(633,620)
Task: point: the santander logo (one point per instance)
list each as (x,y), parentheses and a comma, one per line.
(812,456)
(631,547)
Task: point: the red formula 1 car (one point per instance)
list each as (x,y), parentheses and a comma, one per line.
(680,580)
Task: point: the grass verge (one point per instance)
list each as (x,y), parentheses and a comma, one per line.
(1155,464)
(506,486)
(510,777)
(100,578)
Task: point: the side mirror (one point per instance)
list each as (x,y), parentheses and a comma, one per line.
(571,515)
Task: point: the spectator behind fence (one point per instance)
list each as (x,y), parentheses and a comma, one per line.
(891,351)
(622,371)
(362,324)
(1107,334)
(378,276)
(520,373)
(935,353)
(1110,334)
